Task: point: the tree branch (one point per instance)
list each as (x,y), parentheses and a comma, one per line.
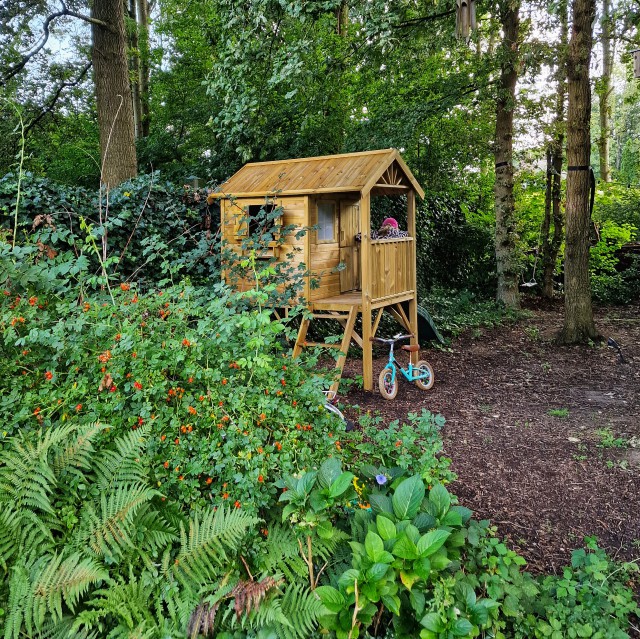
(16,68)
(49,108)
(422,19)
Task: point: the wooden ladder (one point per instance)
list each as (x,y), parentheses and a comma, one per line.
(348,321)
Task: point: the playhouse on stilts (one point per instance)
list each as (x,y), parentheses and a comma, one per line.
(355,269)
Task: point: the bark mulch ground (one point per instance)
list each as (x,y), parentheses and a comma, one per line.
(545,440)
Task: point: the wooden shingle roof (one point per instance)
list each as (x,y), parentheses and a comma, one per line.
(358,172)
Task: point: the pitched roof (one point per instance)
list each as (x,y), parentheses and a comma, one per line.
(326,174)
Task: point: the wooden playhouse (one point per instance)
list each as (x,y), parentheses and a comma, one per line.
(352,273)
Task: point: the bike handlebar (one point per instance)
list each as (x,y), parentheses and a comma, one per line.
(393,340)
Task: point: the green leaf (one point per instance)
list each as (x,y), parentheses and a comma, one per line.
(424,521)
(331,598)
(441,499)
(422,568)
(377,572)
(408,497)
(340,484)
(306,482)
(386,528)
(405,548)
(431,542)
(462,628)
(392,602)
(452,518)
(478,614)
(380,504)
(432,622)
(317,501)
(467,594)
(373,545)
(417,600)
(329,471)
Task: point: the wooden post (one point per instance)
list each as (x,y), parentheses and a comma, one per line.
(413,303)
(365,256)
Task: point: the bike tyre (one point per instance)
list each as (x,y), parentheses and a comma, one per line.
(387,389)
(420,368)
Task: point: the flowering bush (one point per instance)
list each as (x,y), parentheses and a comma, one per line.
(229,411)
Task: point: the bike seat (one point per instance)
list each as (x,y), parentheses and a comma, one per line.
(414,348)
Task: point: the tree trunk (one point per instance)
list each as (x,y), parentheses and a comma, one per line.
(505,237)
(603,89)
(143,44)
(113,93)
(578,319)
(134,62)
(551,246)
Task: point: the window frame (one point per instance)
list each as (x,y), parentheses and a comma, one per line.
(334,236)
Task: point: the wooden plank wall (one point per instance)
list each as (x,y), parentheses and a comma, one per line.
(325,256)
(391,269)
(292,250)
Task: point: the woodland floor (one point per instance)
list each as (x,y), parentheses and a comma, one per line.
(546,481)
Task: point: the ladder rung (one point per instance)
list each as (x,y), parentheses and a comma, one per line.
(329,316)
(320,344)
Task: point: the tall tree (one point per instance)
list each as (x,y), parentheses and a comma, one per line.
(578,320)
(555,149)
(506,235)
(604,91)
(113,92)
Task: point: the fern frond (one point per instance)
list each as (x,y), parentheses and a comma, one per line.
(17,604)
(122,466)
(202,620)
(63,629)
(301,608)
(9,541)
(77,454)
(61,580)
(203,548)
(26,478)
(249,594)
(154,528)
(282,553)
(110,531)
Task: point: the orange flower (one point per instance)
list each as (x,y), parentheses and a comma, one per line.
(134,299)
(190,380)
(118,337)
(137,385)
(162,437)
(186,342)
(166,464)
(283,382)
(224,381)
(183,429)
(48,375)
(237,504)
(181,477)
(398,444)
(278,445)
(209,480)
(220,403)
(260,450)
(33,300)
(338,446)
(37,411)
(201,398)
(124,286)
(134,355)
(225,495)
(177,469)
(260,478)
(284,368)
(225,418)
(264,531)
(192,410)
(176,441)
(294,403)
(86,306)
(105,356)
(189,428)
(78,408)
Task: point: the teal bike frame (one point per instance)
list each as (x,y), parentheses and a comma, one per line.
(410,372)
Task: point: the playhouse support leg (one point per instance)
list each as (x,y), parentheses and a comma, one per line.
(367,349)
(413,321)
(302,335)
(344,347)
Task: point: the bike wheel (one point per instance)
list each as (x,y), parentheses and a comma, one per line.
(387,385)
(424,368)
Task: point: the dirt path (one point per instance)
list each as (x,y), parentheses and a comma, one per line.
(545,440)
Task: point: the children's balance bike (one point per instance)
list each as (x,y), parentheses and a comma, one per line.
(421,374)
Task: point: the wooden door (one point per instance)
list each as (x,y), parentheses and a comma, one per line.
(349,221)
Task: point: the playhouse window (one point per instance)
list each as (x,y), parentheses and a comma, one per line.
(258,215)
(326,222)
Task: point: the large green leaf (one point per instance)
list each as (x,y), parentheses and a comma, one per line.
(405,548)
(380,504)
(441,499)
(408,497)
(373,545)
(329,471)
(386,528)
(331,598)
(431,542)
(340,484)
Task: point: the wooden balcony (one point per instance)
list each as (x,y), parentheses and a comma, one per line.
(392,264)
